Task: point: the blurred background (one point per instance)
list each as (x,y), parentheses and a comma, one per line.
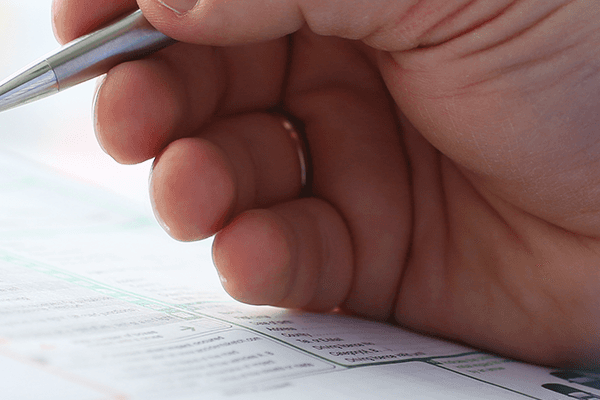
(57,131)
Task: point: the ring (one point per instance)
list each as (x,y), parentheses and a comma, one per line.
(295,131)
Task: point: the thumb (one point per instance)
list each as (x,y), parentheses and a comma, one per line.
(226,22)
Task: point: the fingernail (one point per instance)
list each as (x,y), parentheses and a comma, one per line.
(179,6)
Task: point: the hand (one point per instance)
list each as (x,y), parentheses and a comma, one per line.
(454,147)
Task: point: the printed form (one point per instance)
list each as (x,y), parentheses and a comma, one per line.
(97,303)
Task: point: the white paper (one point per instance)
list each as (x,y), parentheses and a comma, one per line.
(96,302)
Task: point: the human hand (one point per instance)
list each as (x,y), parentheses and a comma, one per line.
(454,152)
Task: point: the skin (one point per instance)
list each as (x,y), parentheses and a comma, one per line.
(454,148)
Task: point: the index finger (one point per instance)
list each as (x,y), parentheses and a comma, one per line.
(72,19)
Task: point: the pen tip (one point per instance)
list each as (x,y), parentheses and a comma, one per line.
(28,85)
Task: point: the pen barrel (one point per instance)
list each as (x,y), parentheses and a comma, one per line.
(95,54)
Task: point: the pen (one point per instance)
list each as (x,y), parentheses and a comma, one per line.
(85,58)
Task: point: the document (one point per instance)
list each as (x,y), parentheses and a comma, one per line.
(98,303)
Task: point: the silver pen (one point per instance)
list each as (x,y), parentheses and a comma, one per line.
(85,58)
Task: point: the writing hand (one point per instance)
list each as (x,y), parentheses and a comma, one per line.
(454,150)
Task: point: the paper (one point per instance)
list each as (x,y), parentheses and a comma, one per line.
(96,302)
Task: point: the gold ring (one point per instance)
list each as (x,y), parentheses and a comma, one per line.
(303,153)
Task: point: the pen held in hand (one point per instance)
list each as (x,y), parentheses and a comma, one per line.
(85,58)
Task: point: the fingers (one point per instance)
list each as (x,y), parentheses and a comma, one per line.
(239,163)
(215,166)
(384,24)
(140,107)
(144,105)
(73,18)
(297,254)
(358,162)
(347,250)
(199,185)
(218,22)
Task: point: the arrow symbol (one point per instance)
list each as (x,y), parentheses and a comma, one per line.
(188,328)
